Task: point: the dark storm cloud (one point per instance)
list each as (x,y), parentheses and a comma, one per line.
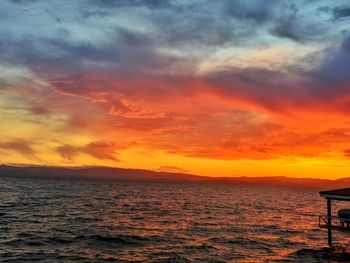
(342,12)
(199,28)
(286,25)
(46,56)
(282,19)
(127,51)
(335,70)
(25,1)
(211,24)
(216,24)
(33,49)
(107,8)
(259,11)
(346,45)
(153,4)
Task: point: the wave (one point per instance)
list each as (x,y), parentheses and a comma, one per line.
(157,223)
(323,254)
(119,239)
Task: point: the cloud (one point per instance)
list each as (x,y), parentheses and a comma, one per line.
(68,151)
(25,1)
(255,10)
(346,44)
(287,26)
(171,169)
(335,70)
(342,12)
(127,51)
(131,69)
(99,150)
(347,153)
(152,4)
(20,146)
(171,37)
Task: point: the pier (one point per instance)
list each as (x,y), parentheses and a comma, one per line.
(341,222)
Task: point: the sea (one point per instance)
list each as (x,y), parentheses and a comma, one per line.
(77,220)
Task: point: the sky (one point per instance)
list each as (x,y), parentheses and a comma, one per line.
(218,88)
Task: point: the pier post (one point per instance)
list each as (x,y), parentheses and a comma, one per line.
(329,221)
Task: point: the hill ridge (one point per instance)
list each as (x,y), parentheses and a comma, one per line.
(126,174)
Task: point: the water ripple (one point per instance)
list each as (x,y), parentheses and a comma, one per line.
(52,220)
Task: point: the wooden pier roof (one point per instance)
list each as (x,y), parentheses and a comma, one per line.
(337,194)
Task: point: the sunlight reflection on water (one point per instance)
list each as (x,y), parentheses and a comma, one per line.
(95,221)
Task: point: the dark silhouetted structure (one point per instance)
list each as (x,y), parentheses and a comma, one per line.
(340,222)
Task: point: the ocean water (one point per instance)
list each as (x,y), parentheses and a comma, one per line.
(67,220)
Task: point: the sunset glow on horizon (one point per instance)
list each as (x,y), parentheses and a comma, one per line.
(215,88)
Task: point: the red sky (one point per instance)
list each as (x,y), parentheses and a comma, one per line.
(190,86)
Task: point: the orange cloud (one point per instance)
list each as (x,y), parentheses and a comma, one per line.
(222,117)
(99,150)
(19,146)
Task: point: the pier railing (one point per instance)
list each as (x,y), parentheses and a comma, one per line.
(334,222)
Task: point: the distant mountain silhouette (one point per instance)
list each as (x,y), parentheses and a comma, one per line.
(110,173)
